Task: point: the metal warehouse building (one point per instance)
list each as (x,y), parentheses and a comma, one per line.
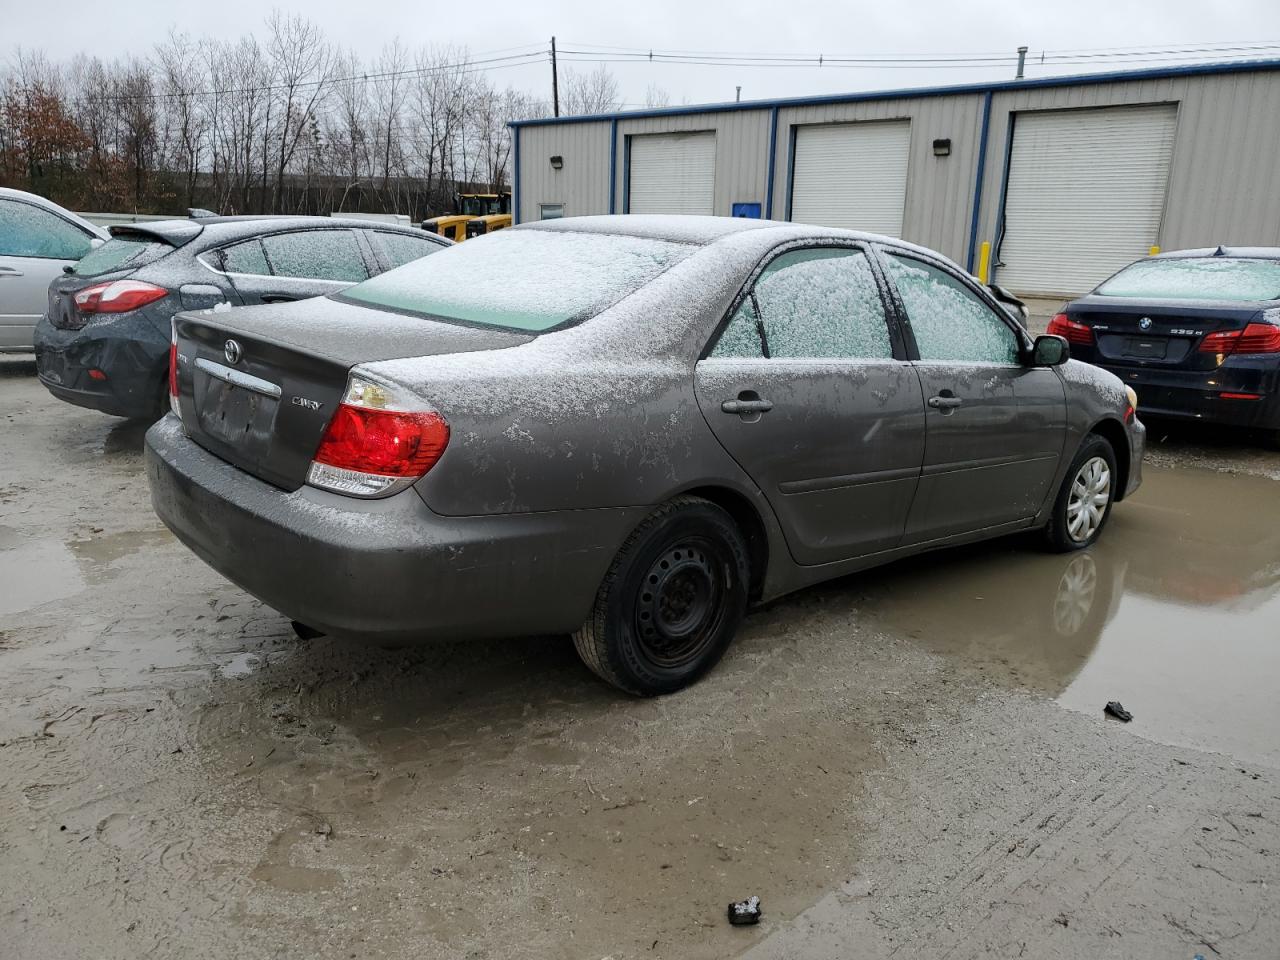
(1068,179)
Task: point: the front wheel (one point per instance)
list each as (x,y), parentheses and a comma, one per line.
(671,602)
(1084,501)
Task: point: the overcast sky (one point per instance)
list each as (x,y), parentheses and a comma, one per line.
(937,27)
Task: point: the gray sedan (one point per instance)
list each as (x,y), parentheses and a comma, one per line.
(627,429)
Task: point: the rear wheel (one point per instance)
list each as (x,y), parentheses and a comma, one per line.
(1084,501)
(671,602)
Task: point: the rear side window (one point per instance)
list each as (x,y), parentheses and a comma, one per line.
(28,231)
(120,253)
(246,258)
(316,255)
(819,304)
(950,322)
(523,279)
(402,248)
(1197,278)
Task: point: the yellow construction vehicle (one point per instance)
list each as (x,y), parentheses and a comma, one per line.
(492,211)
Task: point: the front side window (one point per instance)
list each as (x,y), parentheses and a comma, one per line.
(950,322)
(316,255)
(523,279)
(820,303)
(28,231)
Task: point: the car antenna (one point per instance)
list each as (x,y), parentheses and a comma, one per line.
(1221,251)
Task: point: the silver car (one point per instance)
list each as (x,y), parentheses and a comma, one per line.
(37,239)
(624,428)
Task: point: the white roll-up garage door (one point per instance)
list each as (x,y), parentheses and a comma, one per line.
(673,173)
(852,175)
(1085,196)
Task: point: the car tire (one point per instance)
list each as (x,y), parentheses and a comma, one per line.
(1078,516)
(671,601)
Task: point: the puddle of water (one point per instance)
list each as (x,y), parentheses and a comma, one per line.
(34,571)
(241,665)
(1173,612)
(101,550)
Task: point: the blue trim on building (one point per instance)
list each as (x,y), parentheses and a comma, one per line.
(515,176)
(977,180)
(1083,79)
(791,170)
(626,174)
(773,156)
(1004,193)
(613,166)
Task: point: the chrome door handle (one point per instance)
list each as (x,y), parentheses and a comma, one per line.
(747,406)
(9,272)
(945,403)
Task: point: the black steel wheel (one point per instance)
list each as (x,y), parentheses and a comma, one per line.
(671,601)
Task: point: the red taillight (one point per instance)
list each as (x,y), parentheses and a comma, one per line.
(1255,338)
(173,368)
(96,374)
(1240,396)
(388,443)
(119,296)
(1071,331)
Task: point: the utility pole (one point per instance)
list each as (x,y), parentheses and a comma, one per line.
(556,80)
(1022,59)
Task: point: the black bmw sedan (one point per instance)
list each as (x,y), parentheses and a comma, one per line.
(1195,332)
(104,340)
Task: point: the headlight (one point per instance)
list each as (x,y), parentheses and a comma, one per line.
(1133,396)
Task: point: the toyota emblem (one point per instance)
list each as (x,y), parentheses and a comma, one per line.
(231,350)
(1143,324)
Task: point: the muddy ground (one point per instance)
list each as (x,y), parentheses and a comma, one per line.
(912,762)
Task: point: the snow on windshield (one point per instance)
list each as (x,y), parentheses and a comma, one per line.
(1197,278)
(524,280)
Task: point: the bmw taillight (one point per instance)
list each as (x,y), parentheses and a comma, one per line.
(118,296)
(377,442)
(1070,330)
(1253,339)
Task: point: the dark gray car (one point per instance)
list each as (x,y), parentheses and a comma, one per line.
(103,342)
(652,422)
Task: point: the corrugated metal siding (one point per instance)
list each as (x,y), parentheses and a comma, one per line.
(939,189)
(742,140)
(1224,183)
(582,185)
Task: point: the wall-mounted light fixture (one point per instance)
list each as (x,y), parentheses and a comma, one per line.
(557,162)
(942,148)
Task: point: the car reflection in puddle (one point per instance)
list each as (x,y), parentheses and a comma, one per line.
(1173,613)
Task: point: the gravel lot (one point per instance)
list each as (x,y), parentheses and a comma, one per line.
(911,762)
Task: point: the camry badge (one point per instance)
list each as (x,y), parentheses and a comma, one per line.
(231,350)
(1144,323)
(305,402)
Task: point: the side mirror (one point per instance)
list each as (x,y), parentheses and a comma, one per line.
(1050,351)
(95,243)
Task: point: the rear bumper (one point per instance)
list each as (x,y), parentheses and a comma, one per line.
(1197,395)
(132,355)
(382,568)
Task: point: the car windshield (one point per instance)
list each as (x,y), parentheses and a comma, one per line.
(119,253)
(522,279)
(1197,278)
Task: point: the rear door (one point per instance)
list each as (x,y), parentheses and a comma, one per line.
(35,244)
(995,427)
(808,389)
(296,265)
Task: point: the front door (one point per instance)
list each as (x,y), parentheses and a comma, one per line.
(995,426)
(812,396)
(35,244)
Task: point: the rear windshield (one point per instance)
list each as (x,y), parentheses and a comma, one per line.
(1197,278)
(522,279)
(120,253)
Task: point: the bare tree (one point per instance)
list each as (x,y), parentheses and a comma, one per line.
(594,92)
(303,61)
(656,96)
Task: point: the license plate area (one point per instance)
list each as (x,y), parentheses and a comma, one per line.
(237,416)
(1144,348)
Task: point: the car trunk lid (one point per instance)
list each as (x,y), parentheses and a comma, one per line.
(1159,335)
(258,385)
